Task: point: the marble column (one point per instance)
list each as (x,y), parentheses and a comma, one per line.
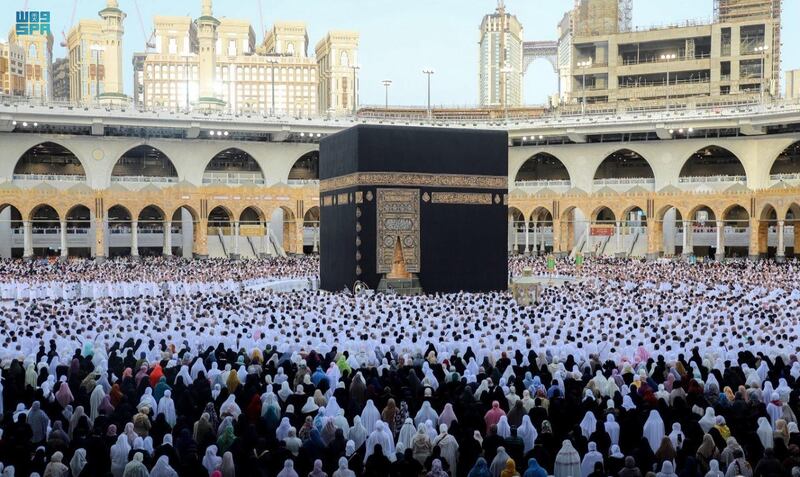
(64,248)
(167,252)
(134,238)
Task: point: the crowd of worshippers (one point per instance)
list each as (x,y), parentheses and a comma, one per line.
(666,368)
(227,412)
(155,269)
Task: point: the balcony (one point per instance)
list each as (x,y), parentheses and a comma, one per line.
(785,177)
(145,179)
(303,182)
(48,178)
(542,183)
(713,180)
(233,178)
(647,182)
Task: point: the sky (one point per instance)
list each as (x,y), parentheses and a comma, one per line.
(399,38)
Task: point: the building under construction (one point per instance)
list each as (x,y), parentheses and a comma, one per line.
(601,17)
(737,56)
(734,11)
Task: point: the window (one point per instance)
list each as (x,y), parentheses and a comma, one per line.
(344,60)
(232,48)
(290,49)
(173,46)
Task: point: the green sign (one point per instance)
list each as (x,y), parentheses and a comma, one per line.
(551,263)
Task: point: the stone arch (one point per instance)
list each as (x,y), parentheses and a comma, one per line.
(179,226)
(251,215)
(119,219)
(736,221)
(305,168)
(702,213)
(79,216)
(787,163)
(735,212)
(541,214)
(311,217)
(290,241)
(151,217)
(567,232)
(233,166)
(711,161)
(540,228)
(49,159)
(792,219)
(624,164)
(144,163)
(767,225)
(516,229)
(671,221)
(44,212)
(542,166)
(311,229)
(604,214)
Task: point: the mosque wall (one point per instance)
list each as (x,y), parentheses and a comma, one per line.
(569,208)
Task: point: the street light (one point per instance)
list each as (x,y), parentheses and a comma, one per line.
(386,83)
(429,72)
(186,57)
(272,62)
(505,71)
(583,65)
(763,50)
(668,57)
(355,68)
(97,49)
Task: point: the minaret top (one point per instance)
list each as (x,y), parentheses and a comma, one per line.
(206,9)
(112,4)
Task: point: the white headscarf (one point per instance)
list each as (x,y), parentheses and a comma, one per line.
(612,429)
(162,468)
(568,462)
(381,435)
(406,434)
(369,416)
(166,406)
(527,432)
(425,413)
(590,459)
(765,434)
(211,461)
(588,424)
(654,430)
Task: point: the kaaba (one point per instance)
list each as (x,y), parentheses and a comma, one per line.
(436,197)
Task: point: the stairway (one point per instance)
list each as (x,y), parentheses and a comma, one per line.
(216,247)
(580,244)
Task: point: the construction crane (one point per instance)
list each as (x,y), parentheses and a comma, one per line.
(149,44)
(71,22)
(261,20)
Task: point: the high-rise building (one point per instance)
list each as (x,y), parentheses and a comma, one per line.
(793,84)
(744,11)
(217,63)
(95,57)
(337,58)
(565,32)
(672,66)
(500,67)
(61,79)
(12,69)
(38,51)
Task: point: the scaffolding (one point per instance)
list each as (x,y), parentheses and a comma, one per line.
(733,11)
(603,17)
